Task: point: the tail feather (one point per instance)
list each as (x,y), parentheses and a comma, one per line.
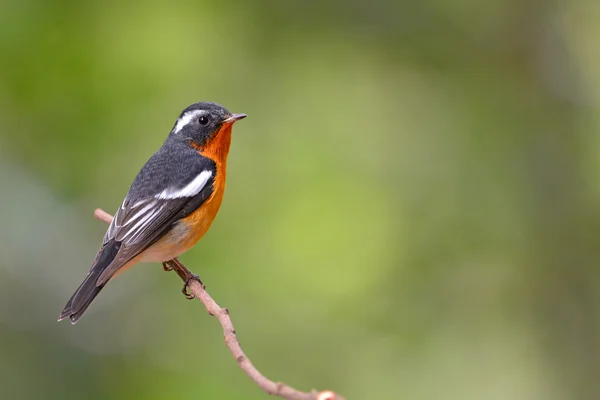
(89,289)
(82,297)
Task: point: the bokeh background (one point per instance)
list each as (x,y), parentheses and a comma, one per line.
(412,208)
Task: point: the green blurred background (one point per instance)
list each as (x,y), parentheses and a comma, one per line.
(412,208)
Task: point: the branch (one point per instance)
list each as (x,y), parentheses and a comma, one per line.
(233,344)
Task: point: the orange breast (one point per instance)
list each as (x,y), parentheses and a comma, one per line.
(187,231)
(200,220)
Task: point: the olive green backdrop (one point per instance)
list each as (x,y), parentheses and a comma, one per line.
(412,209)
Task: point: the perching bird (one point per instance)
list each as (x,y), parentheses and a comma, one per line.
(170,205)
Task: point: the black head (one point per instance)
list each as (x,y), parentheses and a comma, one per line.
(200,121)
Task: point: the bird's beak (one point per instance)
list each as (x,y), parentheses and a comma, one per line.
(234,117)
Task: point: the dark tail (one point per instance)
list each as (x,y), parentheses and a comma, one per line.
(82,297)
(89,289)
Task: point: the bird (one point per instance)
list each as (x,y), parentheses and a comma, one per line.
(170,205)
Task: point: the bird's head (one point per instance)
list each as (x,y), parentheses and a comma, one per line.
(201,123)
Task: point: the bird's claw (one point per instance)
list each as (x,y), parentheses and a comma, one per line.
(184,274)
(186,286)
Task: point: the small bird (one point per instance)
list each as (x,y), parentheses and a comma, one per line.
(170,205)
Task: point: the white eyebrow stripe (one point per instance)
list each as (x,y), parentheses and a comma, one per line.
(190,190)
(187,118)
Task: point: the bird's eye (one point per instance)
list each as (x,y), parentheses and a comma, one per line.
(203,120)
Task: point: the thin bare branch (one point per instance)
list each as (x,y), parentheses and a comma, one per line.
(233,344)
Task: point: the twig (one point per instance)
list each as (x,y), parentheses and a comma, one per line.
(233,344)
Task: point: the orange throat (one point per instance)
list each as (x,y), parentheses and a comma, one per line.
(217,147)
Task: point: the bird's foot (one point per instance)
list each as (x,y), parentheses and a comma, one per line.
(186,286)
(185,274)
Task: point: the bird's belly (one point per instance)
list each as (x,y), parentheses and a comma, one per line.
(185,233)
(168,247)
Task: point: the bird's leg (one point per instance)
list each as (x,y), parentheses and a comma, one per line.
(186,276)
(166,267)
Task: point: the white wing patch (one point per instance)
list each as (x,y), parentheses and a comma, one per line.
(187,118)
(192,188)
(112,228)
(136,230)
(140,212)
(140,220)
